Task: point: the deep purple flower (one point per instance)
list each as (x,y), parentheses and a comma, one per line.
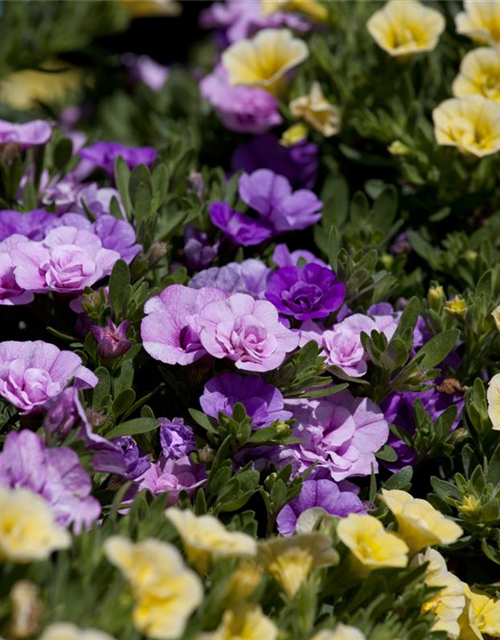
(176,438)
(249,276)
(29,134)
(263,402)
(305,293)
(242,229)
(283,257)
(32,225)
(111,340)
(103,155)
(324,494)
(54,474)
(146,70)
(136,463)
(198,252)
(170,475)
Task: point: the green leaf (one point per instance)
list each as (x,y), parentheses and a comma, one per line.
(203,420)
(123,402)
(400,480)
(438,347)
(122,177)
(118,283)
(329,391)
(384,208)
(133,427)
(387,454)
(490,552)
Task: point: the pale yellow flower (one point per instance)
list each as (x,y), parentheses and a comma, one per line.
(166,591)
(496,317)
(372,546)
(479,74)
(472,124)
(205,538)
(244,622)
(481,615)
(480,21)
(244,581)
(264,60)
(404,27)
(470,506)
(341,632)
(419,524)
(317,111)
(456,307)
(309,8)
(493,397)
(27,609)
(69,631)
(448,604)
(292,135)
(398,148)
(291,560)
(28,530)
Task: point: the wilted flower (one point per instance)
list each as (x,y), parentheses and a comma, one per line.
(243,622)
(317,111)
(405,27)
(493,397)
(472,124)
(29,134)
(479,74)
(480,21)
(69,631)
(481,615)
(104,154)
(111,340)
(341,632)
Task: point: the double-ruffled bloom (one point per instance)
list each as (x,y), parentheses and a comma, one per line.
(249,276)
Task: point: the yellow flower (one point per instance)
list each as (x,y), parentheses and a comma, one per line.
(291,560)
(28,530)
(480,21)
(152,8)
(317,111)
(496,317)
(264,60)
(166,591)
(341,632)
(205,538)
(244,581)
(448,604)
(493,397)
(309,8)
(481,615)
(456,307)
(404,27)
(472,124)
(371,545)
(419,524)
(295,133)
(479,74)
(245,622)
(68,631)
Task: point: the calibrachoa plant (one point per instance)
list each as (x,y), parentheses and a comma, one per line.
(250,337)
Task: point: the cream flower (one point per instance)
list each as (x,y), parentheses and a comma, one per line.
(404,27)
(496,317)
(309,8)
(206,538)
(245,622)
(28,530)
(479,74)
(371,545)
(493,397)
(481,615)
(419,524)
(448,604)
(480,21)
(166,591)
(317,111)
(264,60)
(291,560)
(341,632)
(69,631)
(471,124)
(244,581)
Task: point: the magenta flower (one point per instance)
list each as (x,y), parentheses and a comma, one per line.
(263,402)
(111,340)
(103,155)
(29,134)
(170,475)
(66,261)
(246,331)
(33,372)
(170,332)
(10,292)
(240,228)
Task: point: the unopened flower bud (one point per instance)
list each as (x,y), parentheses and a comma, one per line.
(205,455)
(26,610)
(92,302)
(456,307)
(111,340)
(156,252)
(435,297)
(195,183)
(470,506)
(398,148)
(283,429)
(270,480)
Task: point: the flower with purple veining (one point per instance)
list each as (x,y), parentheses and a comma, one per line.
(103,154)
(29,134)
(111,340)
(117,235)
(33,372)
(32,224)
(176,438)
(263,402)
(240,228)
(246,331)
(304,293)
(249,276)
(334,499)
(173,475)
(170,332)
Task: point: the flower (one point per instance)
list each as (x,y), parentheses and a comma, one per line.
(170,331)
(472,124)
(33,372)
(205,538)
(246,331)
(66,261)
(371,545)
(30,224)
(402,28)
(307,292)
(69,631)
(198,252)
(493,398)
(317,111)
(172,476)
(294,134)
(340,433)
(309,8)
(54,474)
(481,614)
(448,603)
(323,494)
(146,70)
(10,292)
(242,109)
(341,632)
(291,560)
(419,524)
(117,235)
(28,530)
(104,154)
(111,340)
(166,591)
(249,276)
(479,74)
(176,438)
(27,609)
(480,21)
(496,317)
(240,228)
(243,622)
(263,402)
(456,307)
(283,257)
(27,135)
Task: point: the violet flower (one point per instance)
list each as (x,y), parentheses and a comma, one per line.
(111,340)
(176,438)
(240,228)
(33,224)
(283,257)
(146,70)
(170,475)
(249,276)
(198,252)
(29,134)
(11,294)
(103,154)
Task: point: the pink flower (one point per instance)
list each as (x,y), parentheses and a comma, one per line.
(172,476)
(246,331)
(66,261)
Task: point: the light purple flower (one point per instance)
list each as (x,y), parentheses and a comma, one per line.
(324,494)
(32,224)
(263,402)
(111,340)
(29,134)
(241,108)
(198,252)
(340,433)
(283,257)
(176,438)
(103,154)
(11,293)
(242,229)
(170,475)
(66,261)
(249,276)
(136,463)
(170,331)
(246,331)
(272,197)
(117,235)
(146,70)
(54,474)
(33,372)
